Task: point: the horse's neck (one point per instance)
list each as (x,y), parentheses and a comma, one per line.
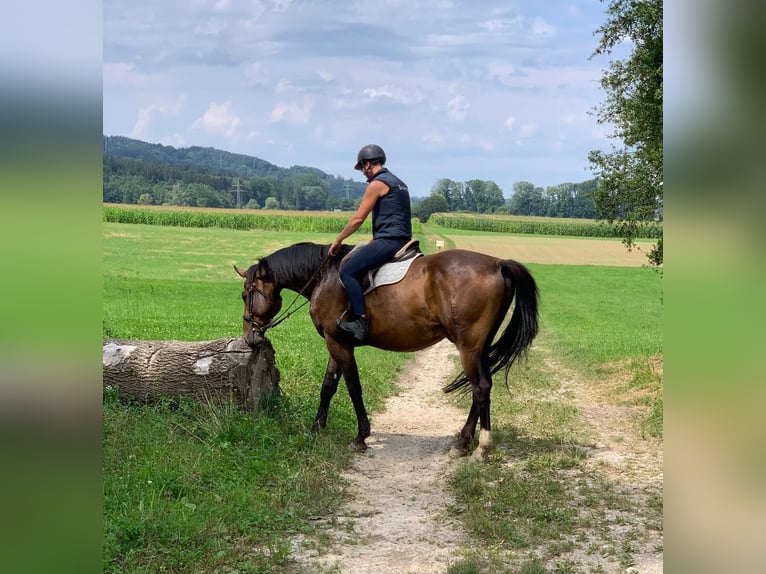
(303,284)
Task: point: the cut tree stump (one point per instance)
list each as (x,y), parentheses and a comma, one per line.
(220,370)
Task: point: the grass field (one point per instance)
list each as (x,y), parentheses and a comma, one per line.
(192,488)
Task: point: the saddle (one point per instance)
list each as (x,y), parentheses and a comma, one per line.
(391,272)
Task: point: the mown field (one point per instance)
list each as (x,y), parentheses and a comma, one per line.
(193,488)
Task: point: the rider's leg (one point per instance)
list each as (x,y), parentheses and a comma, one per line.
(374,254)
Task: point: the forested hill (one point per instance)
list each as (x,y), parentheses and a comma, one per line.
(205,157)
(134,169)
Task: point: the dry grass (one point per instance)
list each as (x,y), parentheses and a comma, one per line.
(560,250)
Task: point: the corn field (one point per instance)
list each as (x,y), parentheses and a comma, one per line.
(540,225)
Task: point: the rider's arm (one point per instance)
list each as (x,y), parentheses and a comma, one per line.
(375,190)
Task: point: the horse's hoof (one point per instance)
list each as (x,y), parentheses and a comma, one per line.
(456,452)
(358,446)
(316,427)
(480,455)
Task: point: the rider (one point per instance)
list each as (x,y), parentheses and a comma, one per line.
(388,198)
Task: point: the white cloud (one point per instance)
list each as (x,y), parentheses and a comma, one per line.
(253,73)
(211,28)
(393,93)
(457,108)
(542,29)
(501,24)
(283,85)
(509,122)
(218,119)
(572,118)
(123,74)
(141,127)
(526,131)
(432,138)
(175,140)
(292,113)
(146,115)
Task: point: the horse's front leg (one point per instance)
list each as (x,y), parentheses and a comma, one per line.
(345,357)
(329,386)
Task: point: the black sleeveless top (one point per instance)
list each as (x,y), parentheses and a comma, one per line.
(392,215)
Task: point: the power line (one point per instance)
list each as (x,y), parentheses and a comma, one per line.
(238,190)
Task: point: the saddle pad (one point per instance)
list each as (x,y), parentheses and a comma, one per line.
(390,273)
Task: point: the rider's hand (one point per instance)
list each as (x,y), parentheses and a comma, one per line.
(334,247)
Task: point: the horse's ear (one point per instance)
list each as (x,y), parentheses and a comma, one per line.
(242,272)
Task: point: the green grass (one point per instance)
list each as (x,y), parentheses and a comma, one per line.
(189,487)
(600,315)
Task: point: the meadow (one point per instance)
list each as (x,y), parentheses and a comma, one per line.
(189,487)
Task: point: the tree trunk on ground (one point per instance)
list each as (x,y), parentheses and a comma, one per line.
(220,370)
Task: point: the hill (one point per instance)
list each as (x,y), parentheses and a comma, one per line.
(205,176)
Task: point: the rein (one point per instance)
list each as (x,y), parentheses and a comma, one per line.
(286,313)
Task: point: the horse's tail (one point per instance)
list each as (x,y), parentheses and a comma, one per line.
(515,340)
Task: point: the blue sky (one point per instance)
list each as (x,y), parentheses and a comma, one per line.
(465,90)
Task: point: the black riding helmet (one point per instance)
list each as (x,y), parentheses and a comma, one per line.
(370,152)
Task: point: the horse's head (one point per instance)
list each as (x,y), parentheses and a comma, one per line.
(262,302)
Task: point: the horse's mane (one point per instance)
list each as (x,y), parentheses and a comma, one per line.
(296,262)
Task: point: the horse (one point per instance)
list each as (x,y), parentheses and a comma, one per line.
(462,295)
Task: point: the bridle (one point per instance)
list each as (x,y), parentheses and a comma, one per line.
(254,323)
(259,327)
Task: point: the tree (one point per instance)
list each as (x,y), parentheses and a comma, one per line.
(145,199)
(271,203)
(527,199)
(485,196)
(630,177)
(451,191)
(219,370)
(435,203)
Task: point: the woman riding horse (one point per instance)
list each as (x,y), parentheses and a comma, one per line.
(388,198)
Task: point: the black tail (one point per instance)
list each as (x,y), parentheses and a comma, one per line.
(521,330)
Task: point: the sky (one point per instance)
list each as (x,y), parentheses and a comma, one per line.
(491,90)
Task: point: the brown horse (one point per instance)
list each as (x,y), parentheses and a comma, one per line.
(461,295)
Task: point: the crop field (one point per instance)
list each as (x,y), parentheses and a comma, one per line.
(193,488)
(555,250)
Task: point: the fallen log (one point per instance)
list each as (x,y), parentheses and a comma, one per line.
(219,370)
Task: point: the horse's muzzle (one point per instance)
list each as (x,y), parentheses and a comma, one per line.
(253,333)
(254,337)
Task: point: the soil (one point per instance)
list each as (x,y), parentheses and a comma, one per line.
(395,520)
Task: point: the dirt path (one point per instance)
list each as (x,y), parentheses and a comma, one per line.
(395,521)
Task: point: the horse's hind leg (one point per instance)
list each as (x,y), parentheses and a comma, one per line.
(463,443)
(329,386)
(477,371)
(354,386)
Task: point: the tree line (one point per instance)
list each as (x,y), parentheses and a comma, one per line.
(573,200)
(137,172)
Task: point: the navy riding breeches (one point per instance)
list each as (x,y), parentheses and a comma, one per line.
(374,254)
